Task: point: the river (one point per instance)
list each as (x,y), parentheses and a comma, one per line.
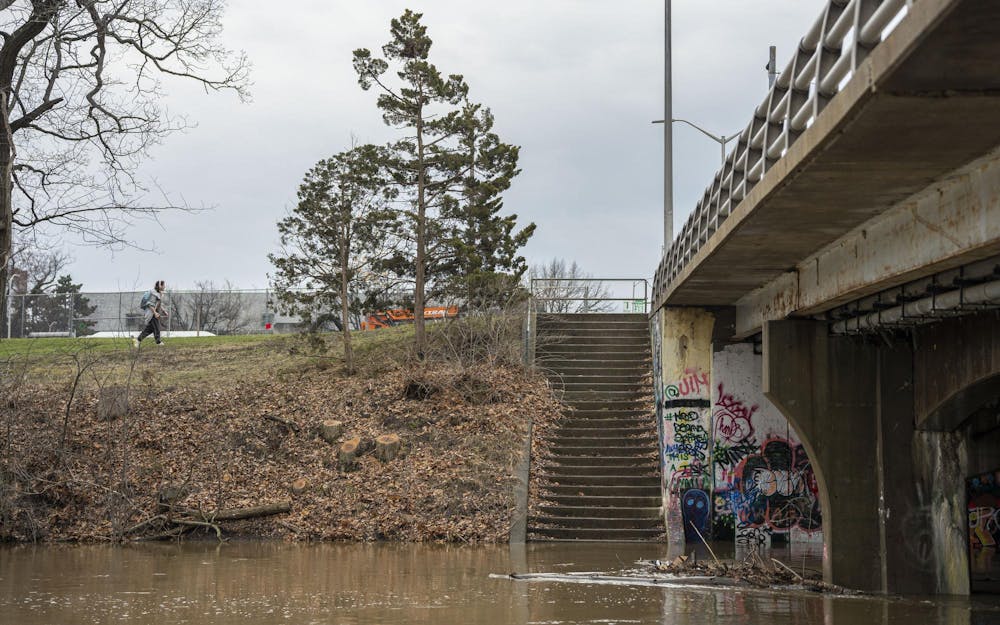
(251,583)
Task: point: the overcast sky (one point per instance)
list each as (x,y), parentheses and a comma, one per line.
(575,83)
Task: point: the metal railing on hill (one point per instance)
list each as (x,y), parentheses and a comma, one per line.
(582,296)
(827,56)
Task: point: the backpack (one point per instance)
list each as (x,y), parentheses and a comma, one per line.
(144,302)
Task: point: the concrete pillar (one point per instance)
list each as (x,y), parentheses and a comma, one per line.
(891,496)
(826,387)
(684,408)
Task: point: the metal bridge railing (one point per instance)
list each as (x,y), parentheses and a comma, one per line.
(829,54)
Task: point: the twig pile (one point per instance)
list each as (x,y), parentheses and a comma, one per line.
(753,570)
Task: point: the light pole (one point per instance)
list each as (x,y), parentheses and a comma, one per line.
(722,140)
(668,137)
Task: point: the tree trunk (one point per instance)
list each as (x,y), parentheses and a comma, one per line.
(345,320)
(6,209)
(420,336)
(387,447)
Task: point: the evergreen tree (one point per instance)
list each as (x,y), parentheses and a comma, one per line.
(59,309)
(488,266)
(449,168)
(336,240)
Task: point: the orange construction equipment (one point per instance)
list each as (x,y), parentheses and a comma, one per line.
(397,316)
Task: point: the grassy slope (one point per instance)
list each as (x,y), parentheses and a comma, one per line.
(207,413)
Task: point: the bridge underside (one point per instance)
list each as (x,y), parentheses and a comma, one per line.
(923,105)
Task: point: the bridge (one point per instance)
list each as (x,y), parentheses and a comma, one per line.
(826,336)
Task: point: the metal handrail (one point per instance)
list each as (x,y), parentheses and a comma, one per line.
(827,56)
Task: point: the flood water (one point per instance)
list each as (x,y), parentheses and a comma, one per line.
(258,583)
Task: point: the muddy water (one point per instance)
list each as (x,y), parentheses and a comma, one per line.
(254,583)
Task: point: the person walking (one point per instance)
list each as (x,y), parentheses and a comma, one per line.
(152,309)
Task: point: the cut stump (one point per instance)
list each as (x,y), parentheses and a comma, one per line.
(299,486)
(349,452)
(330,430)
(387,447)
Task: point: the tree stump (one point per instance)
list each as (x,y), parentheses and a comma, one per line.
(330,430)
(349,452)
(299,486)
(387,447)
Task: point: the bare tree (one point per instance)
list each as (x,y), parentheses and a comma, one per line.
(80,104)
(219,310)
(561,288)
(34,266)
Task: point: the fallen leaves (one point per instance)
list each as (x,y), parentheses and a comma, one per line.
(241,443)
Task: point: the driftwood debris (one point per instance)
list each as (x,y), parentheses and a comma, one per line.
(174,523)
(752,571)
(387,447)
(330,430)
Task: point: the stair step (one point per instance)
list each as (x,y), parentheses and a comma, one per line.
(610,431)
(597,534)
(625,522)
(624,481)
(602,491)
(647,512)
(602,441)
(603,460)
(596,452)
(598,469)
(592,501)
(620,405)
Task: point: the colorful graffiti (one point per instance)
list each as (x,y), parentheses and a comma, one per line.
(983,495)
(761,488)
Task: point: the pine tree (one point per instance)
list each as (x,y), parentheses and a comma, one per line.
(425,107)
(488,266)
(336,239)
(449,167)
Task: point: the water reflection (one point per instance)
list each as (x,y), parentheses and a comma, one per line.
(255,583)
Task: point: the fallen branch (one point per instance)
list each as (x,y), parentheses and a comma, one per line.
(187,518)
(288,424)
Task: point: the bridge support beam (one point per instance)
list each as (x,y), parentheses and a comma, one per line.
(889,523)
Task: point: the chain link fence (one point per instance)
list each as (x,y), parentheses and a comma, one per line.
(223,311)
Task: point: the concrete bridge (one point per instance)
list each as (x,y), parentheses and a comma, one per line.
(826,334)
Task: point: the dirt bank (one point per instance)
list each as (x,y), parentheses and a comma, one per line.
(209,429)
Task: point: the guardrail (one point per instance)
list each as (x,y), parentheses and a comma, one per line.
(827,56)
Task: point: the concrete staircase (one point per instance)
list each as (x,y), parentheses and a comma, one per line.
(600,478)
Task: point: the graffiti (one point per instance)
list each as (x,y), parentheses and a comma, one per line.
(732,418)
(730,455)
(983,495)
(686,443)
(695,514)
(688,416)
(777,489)
(753,538)
(692,383)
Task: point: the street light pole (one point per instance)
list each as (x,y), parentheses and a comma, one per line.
(668,138)
(722,140)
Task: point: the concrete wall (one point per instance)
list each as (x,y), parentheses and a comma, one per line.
(732,466)
(764,483)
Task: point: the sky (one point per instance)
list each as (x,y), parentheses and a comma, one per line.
(575,83)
